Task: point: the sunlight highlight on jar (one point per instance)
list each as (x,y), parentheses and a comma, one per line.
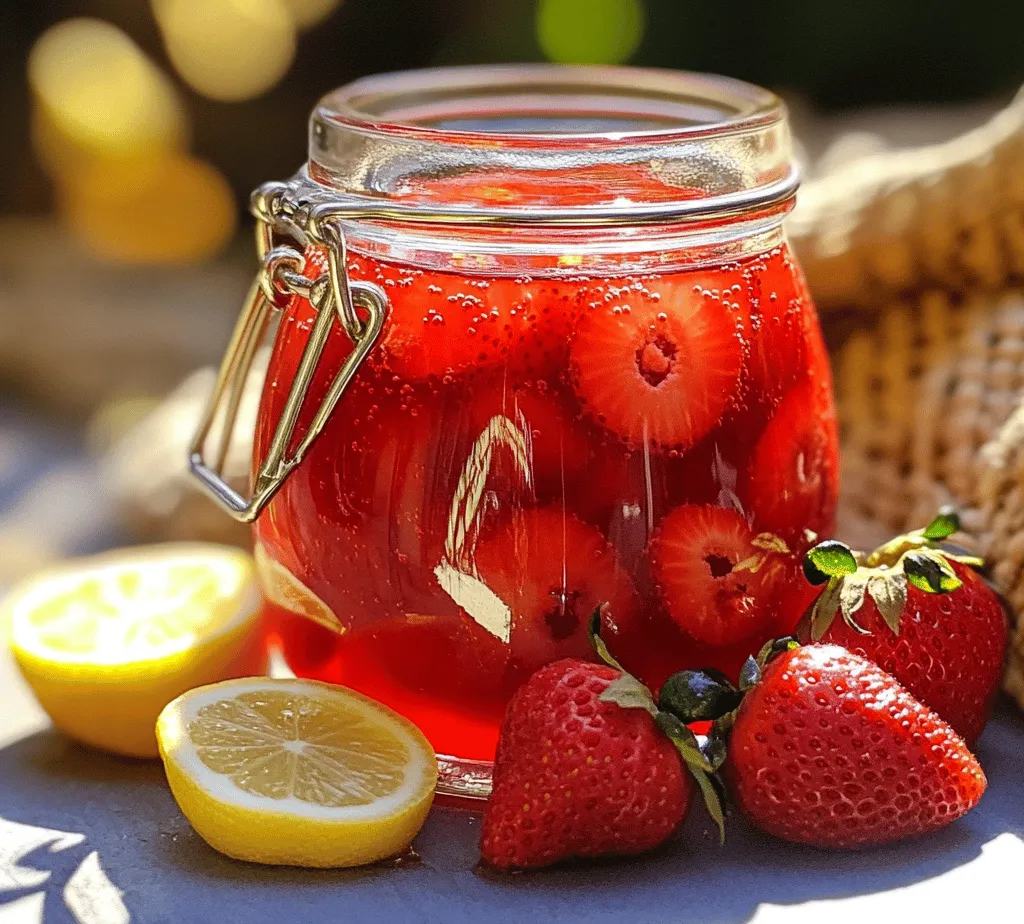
(228,50)
(97,95)
(590,31)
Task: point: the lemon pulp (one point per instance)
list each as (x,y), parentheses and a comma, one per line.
(296,772)
(106,642)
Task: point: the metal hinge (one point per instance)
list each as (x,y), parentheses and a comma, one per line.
(280,278)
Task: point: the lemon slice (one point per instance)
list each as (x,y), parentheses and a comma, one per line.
(296,772)
(283,588)
(106,642)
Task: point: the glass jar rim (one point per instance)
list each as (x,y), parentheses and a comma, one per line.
(374,139)
(426,103)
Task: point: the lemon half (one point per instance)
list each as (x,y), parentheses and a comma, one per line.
(106,642)
(296,772)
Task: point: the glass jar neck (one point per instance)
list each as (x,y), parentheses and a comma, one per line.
(552,166)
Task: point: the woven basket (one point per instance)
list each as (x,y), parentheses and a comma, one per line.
(915,260)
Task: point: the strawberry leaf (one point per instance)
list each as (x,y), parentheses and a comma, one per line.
(851,599)
(825,609)
(829,559)
(943,526)
(697,763)
(930,572)
(750,674)
(775,646)
(594,632)
(684,740)
(698,696)
(889,591)
(629,693)
(713,801)
(715,752)
(953,552)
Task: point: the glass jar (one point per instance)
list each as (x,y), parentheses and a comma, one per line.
(540,348)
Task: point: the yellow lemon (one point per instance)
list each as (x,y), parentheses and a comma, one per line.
(106,642)
(296,772)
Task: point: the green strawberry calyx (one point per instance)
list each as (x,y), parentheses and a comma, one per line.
(708,695)
(627,692)
(920,559)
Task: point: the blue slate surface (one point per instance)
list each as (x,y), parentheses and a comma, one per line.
(50,487)
(168,874)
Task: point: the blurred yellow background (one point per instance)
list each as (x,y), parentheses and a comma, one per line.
(143,125)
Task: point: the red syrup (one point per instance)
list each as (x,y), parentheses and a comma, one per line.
(518,450)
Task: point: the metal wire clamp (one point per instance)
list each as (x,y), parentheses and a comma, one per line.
(334,297)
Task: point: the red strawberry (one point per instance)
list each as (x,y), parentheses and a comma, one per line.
(828,749)
(717,578)
(577,775)
(553,570)
(793,480)
(658,365)
(919,612)
(572,461)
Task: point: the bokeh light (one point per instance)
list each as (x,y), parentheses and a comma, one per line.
(171,209)
(307,13)
(110,128)
(590,31)
(97,95)
(228,50)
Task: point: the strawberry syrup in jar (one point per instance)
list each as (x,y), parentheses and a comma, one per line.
(600,379)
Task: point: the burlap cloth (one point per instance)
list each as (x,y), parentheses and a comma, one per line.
(914,258)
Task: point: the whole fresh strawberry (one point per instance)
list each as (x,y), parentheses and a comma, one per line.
(587,766)
(919,611)
(828,749)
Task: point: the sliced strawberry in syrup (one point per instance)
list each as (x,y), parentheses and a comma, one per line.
(777,302)
(553,570)
(793,479)
(716,584)
(443,324)
(658,365)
